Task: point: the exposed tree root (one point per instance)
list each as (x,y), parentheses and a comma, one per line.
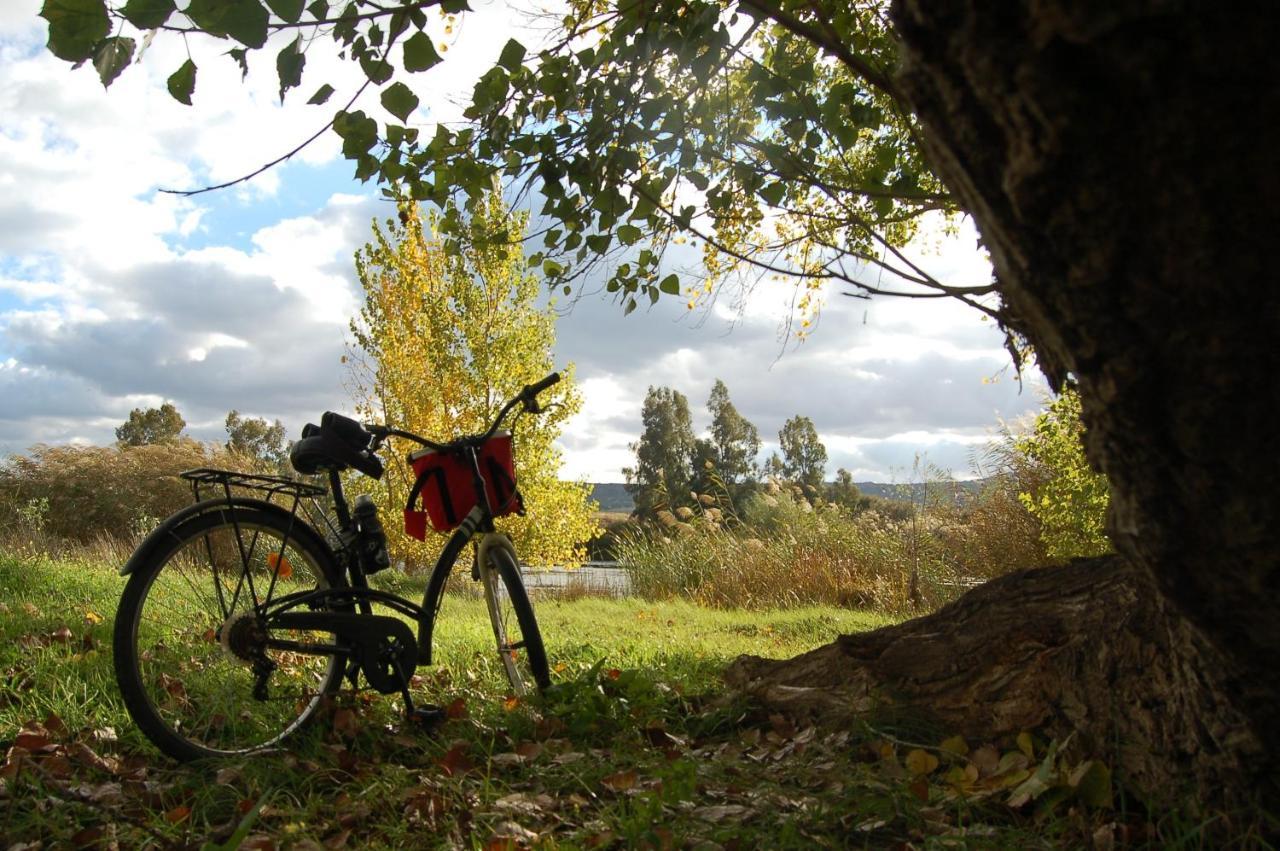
(1085,648)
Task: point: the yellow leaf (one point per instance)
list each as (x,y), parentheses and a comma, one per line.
(1024,745)
(921,762)
(956,745)
(1092,782)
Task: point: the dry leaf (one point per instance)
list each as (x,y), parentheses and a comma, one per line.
(55,725)
(346,723)
(456,709)
(506,760)
(621,781)
(921,762)
(177,814)
(723,812)
(455,761)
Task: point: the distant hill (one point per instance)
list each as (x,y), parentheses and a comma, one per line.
(613,496)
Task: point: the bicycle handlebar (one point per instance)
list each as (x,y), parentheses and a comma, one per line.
(528,397)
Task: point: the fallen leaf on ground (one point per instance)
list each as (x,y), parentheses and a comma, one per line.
(455,760)
(621,781)
(723,812)
(177,814)
(346,723)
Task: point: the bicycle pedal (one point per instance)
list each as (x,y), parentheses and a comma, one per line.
(428,715)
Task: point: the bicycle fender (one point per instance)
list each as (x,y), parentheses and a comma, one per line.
(499,540)
(166,530)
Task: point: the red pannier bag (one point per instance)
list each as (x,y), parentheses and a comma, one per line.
(444,482)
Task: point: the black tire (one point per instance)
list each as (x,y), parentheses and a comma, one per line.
(185,636)
(523,656)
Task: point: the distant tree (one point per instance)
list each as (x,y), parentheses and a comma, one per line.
(662,475)
(804,458)
(773,468)
(845,493)
(255,438)
(154,425)
(735,441)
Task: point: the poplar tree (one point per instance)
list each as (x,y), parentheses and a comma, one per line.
(804,458)
(442,341)
(663,473)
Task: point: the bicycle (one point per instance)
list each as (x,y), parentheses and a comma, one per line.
(240,618)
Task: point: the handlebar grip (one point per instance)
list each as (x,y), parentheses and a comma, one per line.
(532,390)
(346,428)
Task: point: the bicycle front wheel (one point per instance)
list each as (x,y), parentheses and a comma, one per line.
(201,671)
(524,658)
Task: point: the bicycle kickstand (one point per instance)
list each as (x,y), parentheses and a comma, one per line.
(427,715)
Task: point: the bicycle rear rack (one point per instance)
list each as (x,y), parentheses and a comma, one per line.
(272,486)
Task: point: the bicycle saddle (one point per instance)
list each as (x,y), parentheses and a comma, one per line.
(336,444)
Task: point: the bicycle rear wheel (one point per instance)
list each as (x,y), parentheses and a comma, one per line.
(201,672)
(524,658)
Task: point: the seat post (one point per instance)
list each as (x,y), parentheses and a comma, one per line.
(339,501)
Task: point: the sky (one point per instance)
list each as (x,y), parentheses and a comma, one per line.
(114,295)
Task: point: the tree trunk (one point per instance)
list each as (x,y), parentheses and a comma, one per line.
(1119,162)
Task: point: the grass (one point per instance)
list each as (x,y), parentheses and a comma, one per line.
(633,747)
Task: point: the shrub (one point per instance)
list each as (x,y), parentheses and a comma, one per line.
(788,552)
(1071,501)
(84,493)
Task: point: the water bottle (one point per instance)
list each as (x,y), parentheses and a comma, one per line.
(371,539)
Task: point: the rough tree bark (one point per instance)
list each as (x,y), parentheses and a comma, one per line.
(1119,161)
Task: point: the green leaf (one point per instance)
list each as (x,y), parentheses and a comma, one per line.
(244,20)
(359,133)
(512,55)
(419,52)
(628,234)
(289,64)
(772,194)
(113,56)
(147,14)
(377,70)
(182,82)
(319,9)
(241,56)
(289,10)
(551,268)
(631,305)
(453,7)
(75,27)
(670,284)
(322,94)
(399,100)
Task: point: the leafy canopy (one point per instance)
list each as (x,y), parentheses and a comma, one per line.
(804,458)
(154,425)
(768,133)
